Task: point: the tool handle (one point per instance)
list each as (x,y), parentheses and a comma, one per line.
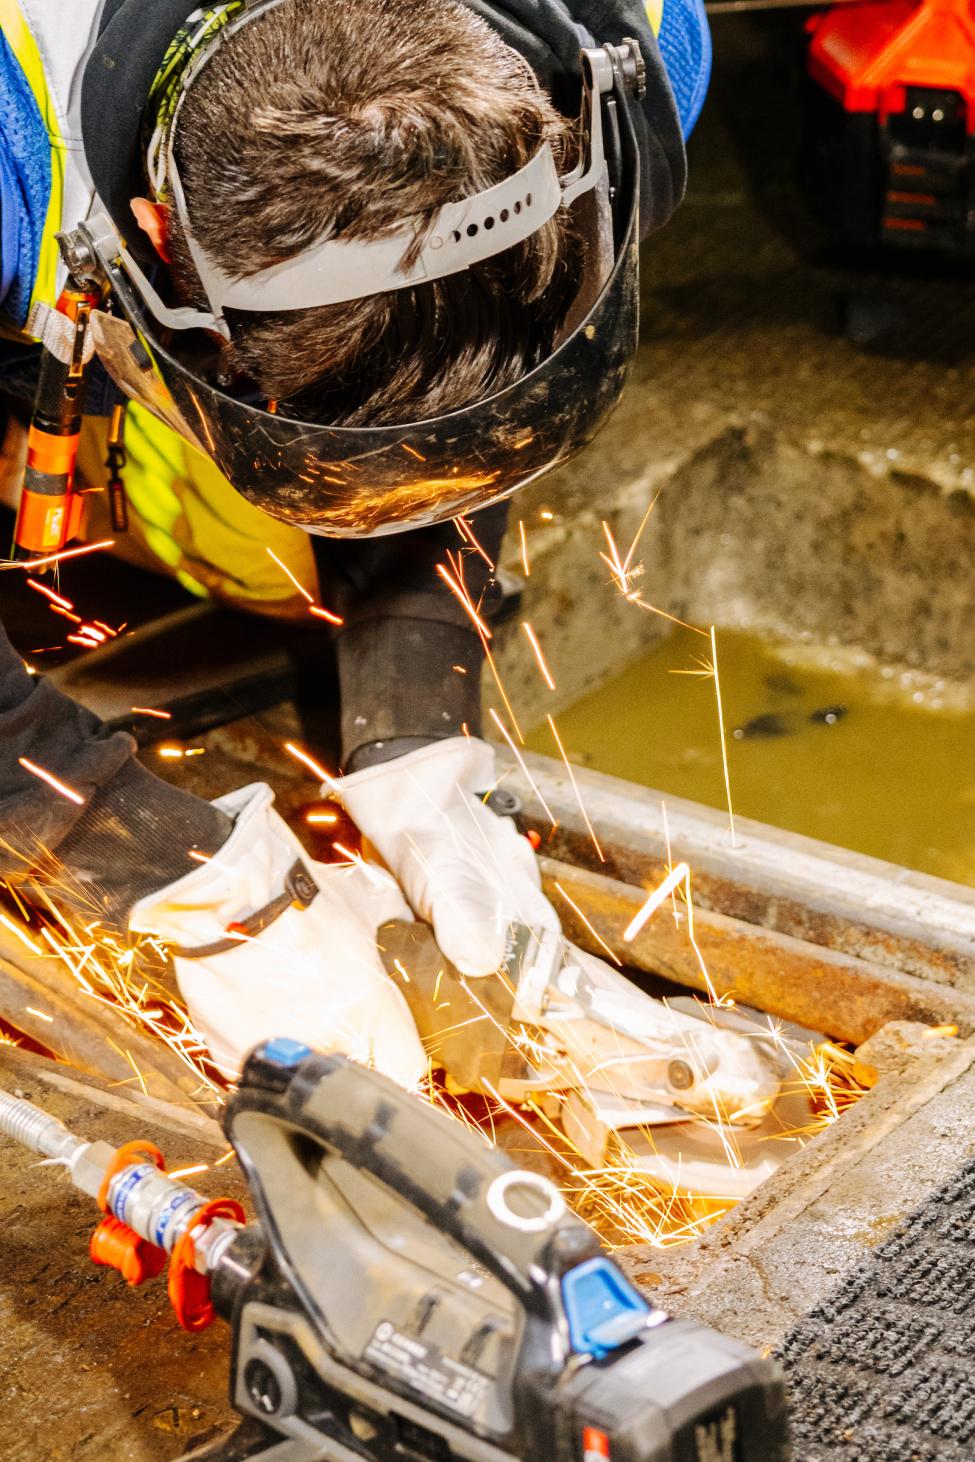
(49,512)
(513,1222)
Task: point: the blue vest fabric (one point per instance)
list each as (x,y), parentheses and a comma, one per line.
(685,47)
(25,187)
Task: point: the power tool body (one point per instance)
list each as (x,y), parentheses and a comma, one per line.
(407,1292)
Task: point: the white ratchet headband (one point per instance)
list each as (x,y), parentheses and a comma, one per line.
(337,270)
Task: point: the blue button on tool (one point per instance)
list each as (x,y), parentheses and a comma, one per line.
(602,1308)
(283,1051)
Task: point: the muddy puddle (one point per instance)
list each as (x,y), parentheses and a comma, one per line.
(864,759)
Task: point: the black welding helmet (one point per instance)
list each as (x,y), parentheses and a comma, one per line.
(362,481)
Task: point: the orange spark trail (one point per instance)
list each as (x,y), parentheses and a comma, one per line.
(36,563)
(285,570)
(524,548)
(148,711)
(575,788)
(55,598)
(532,639)
(310,763)
(9,924)
(520,760)
(465,601)
(721,733)
(52,781)
(468,532)
(459,591)
(313,608)
(595,934)
(674,877)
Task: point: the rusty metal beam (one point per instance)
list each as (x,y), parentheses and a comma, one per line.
(823,895)
(846,997)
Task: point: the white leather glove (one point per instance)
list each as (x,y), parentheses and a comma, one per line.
(465,870)
(309,967)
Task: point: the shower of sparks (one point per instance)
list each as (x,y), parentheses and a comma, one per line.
(89,634)
(315,818)
(37,563)
(575,788)
(39,1013)
(621,1201)
(52,781)
(309,761)
(176,753)
(524,548)
(200,1167)
(532,639)
(148,711)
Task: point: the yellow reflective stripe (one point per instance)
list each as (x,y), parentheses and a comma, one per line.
(655,15)
(21,41)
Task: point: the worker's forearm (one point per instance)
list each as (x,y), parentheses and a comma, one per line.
(409,656)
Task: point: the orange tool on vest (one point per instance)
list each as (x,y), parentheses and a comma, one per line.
(49,514)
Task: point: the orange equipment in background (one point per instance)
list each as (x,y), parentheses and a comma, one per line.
(892,122)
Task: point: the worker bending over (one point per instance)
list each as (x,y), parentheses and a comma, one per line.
(369,265)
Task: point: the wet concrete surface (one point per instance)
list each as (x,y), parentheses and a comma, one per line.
(783,1249)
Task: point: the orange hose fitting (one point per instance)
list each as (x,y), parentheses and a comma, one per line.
(189,1292)
(117,1246)
(128,1156)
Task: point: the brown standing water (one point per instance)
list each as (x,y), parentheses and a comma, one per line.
(864,759)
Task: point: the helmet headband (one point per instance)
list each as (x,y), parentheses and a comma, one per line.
(333,271)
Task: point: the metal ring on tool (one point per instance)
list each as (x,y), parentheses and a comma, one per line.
(497,1201)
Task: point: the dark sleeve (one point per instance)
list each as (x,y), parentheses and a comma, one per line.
(550,34)
(409,657)
(43,726)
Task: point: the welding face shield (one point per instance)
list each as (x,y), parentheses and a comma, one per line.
(365,481)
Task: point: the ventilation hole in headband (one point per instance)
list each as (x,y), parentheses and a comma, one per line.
(455,235)
(528,201)
(504,215)
(489,223)
(471,230)
(518,207)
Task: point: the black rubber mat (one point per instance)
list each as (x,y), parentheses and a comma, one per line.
(884,1369)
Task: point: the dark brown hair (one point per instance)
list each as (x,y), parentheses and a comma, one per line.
(341,118)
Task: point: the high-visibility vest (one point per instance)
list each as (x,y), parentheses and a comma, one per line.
(183,511)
